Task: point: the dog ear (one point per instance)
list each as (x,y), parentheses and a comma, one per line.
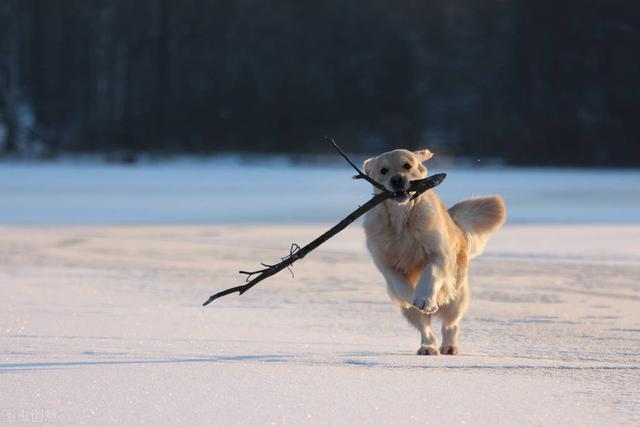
(423,155)
(368,166)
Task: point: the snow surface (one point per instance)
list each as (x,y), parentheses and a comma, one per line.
(102,324)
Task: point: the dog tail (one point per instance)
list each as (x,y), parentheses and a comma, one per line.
(479,218)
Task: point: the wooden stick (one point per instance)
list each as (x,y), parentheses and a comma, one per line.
(360,174)
(297,253)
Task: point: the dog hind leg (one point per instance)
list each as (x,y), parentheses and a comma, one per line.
(422,322)
(451,317)
(450,338)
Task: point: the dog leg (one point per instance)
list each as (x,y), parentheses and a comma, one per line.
(399,289)
(426,294)
(422,322)
(451,316)
(449,339)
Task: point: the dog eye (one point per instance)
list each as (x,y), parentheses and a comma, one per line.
(384,170)
(407,166)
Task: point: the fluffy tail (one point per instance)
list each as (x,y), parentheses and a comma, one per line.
(479,218)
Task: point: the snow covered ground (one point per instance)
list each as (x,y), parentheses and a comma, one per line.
(102,324)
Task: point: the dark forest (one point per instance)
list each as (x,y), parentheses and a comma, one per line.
(529,82)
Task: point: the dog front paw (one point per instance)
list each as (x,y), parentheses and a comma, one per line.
(420,303)
(427,307)
(451,350)
(427,351)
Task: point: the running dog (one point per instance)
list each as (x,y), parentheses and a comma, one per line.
(423,250)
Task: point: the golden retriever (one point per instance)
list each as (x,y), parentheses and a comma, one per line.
(423,250)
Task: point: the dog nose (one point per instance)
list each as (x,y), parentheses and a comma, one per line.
(396,182)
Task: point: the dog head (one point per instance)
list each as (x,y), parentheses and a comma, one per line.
(396,169)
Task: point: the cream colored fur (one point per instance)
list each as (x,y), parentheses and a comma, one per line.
(422,250)
(478,218)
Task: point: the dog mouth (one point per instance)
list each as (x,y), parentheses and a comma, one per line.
(401,197)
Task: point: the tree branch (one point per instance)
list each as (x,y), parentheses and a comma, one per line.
(360,175)
(297,253)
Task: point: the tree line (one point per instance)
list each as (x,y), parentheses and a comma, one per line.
(531,82)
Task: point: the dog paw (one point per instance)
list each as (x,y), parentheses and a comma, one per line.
(427,351)
(450,350)
(420,303)
(427,307)
(431,309)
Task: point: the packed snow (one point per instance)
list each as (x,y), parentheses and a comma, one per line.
(102,324)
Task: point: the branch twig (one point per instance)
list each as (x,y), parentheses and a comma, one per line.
(360,175)
(297,253)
